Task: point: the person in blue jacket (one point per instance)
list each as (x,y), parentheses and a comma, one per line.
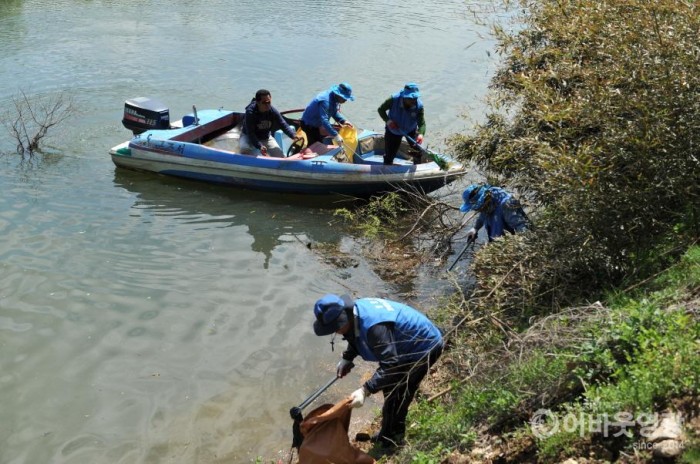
(498,210)
(401,339)
(404,115)
(321,109)
(261,121)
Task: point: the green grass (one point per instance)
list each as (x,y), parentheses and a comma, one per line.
(636,357)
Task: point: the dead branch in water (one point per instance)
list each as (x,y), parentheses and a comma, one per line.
(31,117)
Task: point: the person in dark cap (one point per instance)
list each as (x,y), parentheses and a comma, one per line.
(498,210)
(261,121)
(404,115)
(321,109)
(400,338)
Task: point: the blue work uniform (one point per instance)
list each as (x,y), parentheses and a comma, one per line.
(407,120)
(405,343)
(504,215)
(319,111)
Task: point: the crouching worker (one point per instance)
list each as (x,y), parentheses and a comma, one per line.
(498,210)
(401,339)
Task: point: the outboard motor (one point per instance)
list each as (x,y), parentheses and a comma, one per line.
(142,114)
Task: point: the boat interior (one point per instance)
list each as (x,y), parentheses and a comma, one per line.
(369,150)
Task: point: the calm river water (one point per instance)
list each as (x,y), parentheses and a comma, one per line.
(152,320)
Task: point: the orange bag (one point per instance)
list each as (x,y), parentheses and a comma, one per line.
(325,432)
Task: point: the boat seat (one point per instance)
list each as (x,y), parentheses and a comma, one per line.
(229,141)
(373,159)
(369,159)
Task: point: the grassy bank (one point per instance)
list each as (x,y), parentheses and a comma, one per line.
(635,356)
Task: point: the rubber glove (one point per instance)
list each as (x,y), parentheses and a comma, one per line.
(392,125)
(419,139)
(338,140)
(343,368)
(358,398)
(348,124)
(471,234)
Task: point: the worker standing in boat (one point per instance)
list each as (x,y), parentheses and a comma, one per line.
(498,210)
(401,339)
(261,121)
(321,109)
(404,117)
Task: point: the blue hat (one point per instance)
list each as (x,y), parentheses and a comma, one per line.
(410,90)
(330,312)
(344,90)
(473,197)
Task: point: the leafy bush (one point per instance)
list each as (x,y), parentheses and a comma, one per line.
(596,122)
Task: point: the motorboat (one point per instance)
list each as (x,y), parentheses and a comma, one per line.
(204,146)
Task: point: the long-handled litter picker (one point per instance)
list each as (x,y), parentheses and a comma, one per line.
(296,415)
(470,242)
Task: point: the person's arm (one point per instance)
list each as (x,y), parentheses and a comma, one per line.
(350,353)
(282,124)
(380,339)
(250,128)
(479,222)
(323,107)
(421,120)
(384,108)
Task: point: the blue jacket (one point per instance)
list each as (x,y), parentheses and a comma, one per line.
(319,111)
(392,333)
(407,120)
(258,126)
(505,214)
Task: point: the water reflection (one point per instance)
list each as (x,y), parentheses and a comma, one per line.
(271,219)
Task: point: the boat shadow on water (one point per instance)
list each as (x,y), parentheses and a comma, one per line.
(271,219)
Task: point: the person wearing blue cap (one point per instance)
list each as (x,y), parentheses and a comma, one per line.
(400,338)
(321,109)
(404,115)
(498,210)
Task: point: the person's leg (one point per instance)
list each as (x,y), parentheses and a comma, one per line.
(391,146)
(399,398)
(313,134)
(246,147)
(273,148)
(415,153)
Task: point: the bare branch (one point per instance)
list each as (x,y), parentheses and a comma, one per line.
(33,116)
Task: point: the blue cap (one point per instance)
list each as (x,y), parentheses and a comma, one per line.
(344,90)
(330,313)
(410,90)
(473,197)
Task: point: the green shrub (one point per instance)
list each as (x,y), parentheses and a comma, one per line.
(597,125)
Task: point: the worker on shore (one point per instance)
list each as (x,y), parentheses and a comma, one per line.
(498,210)
(400,338)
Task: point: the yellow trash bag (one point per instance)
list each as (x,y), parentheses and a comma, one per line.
(349,135)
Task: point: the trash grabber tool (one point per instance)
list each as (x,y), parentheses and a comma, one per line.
(297,409)
(470,242)
(442,164)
